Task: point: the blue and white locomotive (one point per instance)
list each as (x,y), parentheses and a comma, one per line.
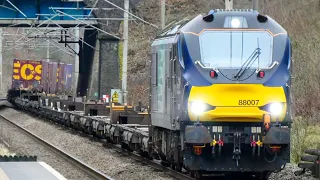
(220,94)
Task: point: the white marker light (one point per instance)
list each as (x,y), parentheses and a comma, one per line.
(235,23)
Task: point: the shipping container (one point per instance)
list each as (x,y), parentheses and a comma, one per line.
(52,77)
(60,78)
(44,76)
(68,78)
(26,74)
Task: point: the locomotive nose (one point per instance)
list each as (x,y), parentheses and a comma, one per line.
(241,103)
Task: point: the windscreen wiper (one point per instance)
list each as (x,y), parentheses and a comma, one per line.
(248,63)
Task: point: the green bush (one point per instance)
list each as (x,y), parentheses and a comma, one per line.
(304,135)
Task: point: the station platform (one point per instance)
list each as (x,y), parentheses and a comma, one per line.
(28,171)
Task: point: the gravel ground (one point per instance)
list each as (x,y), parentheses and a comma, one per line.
(4,151)
(94,154)
(107,160)
(288,174)
(23,145)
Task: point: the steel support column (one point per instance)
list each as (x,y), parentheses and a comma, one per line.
(163,14)
(255,5)
(125,51)
(1,72)
(76,61)
(229,4)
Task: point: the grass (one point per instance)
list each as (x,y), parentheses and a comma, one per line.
(304,135)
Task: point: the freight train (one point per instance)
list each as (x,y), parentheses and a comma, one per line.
(220,99)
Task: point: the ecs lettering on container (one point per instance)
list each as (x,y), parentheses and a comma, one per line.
(44,76)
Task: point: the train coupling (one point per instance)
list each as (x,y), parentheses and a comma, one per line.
(236,147)
(237,137)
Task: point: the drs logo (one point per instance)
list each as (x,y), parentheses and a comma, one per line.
(27,70)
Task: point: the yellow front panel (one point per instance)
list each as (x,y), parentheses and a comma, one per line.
(225,97)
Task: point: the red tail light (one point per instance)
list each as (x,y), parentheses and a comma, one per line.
(275,148)
(261,74)
(213,74)
(198,149)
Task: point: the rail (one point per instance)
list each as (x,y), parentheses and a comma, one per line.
(81,165)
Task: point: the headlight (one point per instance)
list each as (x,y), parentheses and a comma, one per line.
(198,108)
(235,23)
(276,108)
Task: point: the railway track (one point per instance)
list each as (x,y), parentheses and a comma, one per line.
(91,171)
(132,155)
(74,161)
(154,164)
(151,163)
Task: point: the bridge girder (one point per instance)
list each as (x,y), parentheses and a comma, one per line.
(19,13)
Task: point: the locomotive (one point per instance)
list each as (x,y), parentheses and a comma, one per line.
(220,94)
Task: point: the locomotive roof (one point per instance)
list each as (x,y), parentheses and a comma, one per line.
(216,19)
